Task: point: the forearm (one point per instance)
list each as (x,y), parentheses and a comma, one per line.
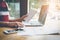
(19,19)
(7,24)
(2,24)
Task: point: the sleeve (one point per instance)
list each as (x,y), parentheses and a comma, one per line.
(8,6)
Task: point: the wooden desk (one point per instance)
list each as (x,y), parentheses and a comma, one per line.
(18,37)
(11,36)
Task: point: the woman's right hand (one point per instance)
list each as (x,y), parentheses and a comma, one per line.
(15,24)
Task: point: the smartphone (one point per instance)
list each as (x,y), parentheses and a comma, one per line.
(9,31)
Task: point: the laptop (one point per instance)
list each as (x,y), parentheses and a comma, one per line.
(41,19)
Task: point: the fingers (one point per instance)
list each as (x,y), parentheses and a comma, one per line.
(11,24)
(19,24)
(15,24)
(24,16)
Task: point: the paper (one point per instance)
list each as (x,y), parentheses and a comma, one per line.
(30,15)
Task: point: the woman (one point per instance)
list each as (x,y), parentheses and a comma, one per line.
(4,16)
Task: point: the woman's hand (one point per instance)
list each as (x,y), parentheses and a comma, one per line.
(19,19)
(22,18)
(15,24)
(20,24)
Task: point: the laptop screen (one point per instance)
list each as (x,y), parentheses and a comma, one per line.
(43,14)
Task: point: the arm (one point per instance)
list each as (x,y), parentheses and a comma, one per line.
(12,23)
(19,19)
(7,24)
(2,24)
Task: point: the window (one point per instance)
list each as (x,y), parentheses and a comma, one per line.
(14,7)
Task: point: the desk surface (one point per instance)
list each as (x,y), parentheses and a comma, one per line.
(18,37)
(11,36)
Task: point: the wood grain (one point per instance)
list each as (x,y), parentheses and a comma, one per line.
(10,37)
